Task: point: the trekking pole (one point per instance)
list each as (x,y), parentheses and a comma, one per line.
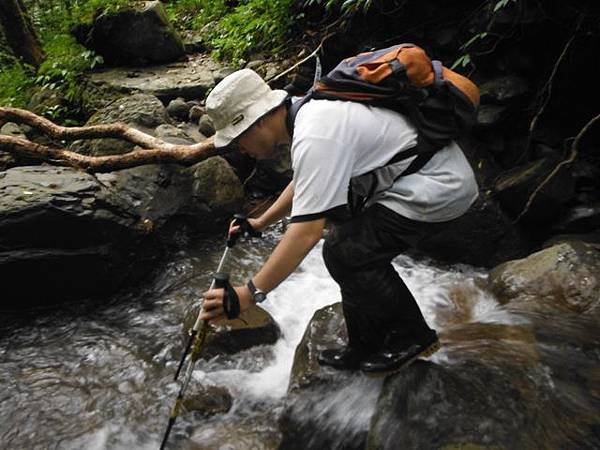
(199,331)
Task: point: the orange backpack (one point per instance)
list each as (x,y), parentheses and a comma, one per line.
(441,103)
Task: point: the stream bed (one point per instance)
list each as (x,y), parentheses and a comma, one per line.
(98,374)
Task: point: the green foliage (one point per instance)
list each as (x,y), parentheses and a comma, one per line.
(65,61)
(346,7)
(15,84)
(195,14)
(234,32)
(469,48)
(254,25)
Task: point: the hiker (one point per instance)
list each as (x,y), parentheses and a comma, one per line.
(330,143)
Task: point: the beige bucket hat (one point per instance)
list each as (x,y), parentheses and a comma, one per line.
(237,102)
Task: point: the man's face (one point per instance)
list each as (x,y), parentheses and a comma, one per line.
(258,141)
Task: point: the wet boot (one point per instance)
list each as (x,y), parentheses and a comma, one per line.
(399,351)
(344,358)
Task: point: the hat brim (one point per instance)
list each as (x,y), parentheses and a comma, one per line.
(251,115)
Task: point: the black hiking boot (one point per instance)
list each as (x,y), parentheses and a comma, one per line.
(392,358)
(345,358)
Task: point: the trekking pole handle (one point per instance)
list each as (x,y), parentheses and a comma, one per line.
(245,230)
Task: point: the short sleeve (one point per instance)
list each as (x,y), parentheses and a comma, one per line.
(322,170)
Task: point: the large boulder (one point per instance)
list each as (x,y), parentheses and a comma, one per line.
(562,278)
(197,199)
(141,111)
(138,34)
(491,381)
(311,416)
(65,235)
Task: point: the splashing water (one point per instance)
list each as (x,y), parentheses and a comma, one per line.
(99,376)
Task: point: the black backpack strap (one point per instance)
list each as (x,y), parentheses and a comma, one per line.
(293,110)
(418,163)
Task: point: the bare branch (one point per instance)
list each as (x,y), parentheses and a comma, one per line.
(153,150)
(569,160)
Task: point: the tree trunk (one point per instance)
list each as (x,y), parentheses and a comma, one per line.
(19,33)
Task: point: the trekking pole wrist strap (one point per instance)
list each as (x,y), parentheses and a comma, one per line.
(231,301)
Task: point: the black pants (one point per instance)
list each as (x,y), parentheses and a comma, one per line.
(377,304)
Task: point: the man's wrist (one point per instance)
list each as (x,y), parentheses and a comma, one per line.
(257,295)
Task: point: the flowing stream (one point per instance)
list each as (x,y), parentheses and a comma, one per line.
(98,375)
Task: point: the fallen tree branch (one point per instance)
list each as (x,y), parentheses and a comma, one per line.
(153,150)
(569,160)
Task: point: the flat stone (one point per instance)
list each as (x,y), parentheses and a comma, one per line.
(190,79)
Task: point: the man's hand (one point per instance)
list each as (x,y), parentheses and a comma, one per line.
(256,224)
(212,308)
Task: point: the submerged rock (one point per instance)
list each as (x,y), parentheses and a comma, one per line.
(64,235)
(138,34)
(564,278)
(207,400)
(238,435)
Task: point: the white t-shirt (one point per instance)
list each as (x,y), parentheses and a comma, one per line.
(336,140)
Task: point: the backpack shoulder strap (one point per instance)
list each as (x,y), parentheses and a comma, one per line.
(293,110)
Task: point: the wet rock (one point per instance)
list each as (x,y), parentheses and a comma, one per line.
(238,435)
(63,235)
(498,380)
(326,329)
(503,89)
(140,111)
(562,278)
(484,236)
(254,327)
(138,34)
(205,125)
(179,109)
(189,80)
(173,135)
(326,408)
(207,400)
(514,187)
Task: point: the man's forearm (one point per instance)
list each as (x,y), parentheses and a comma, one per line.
(297,241)
(281,207)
